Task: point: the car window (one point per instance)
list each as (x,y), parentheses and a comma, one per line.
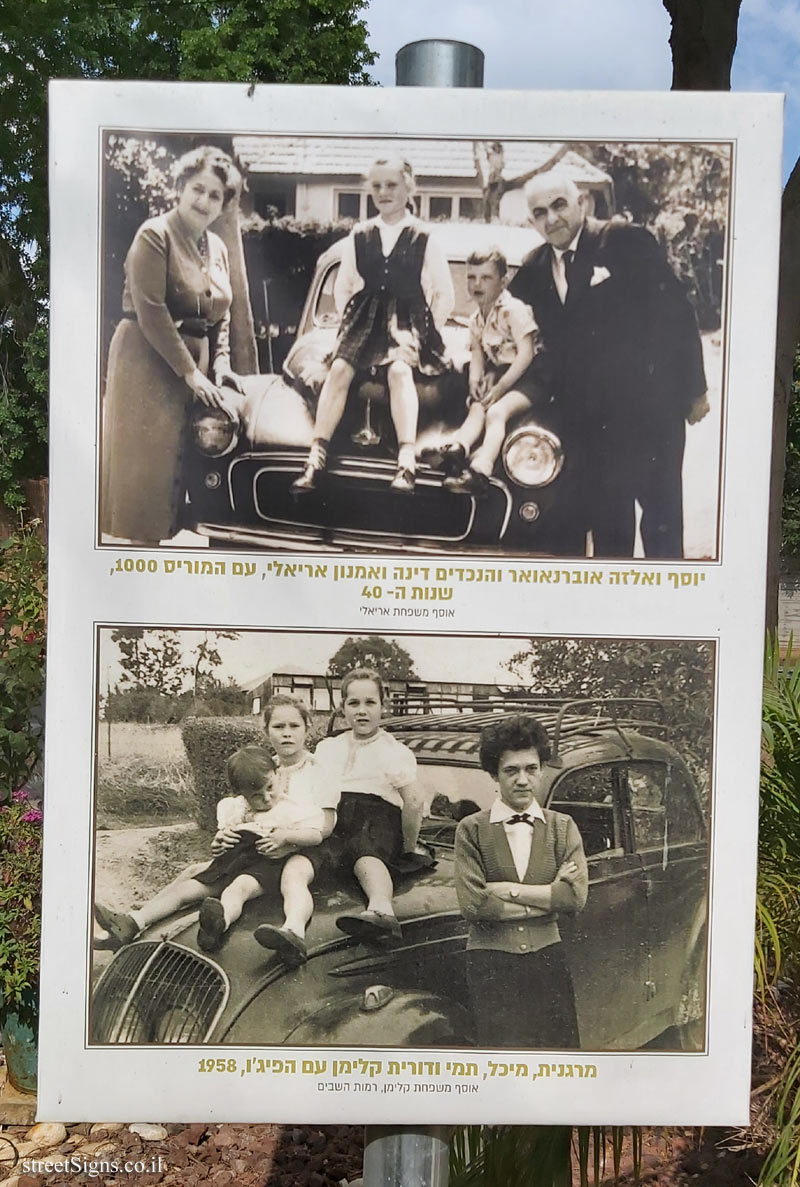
(466,787)
(590,796)
(663,805)
(325,313)
(646,787)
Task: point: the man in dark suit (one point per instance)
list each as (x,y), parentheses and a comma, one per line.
(624,361)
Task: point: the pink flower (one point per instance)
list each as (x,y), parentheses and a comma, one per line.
(19,795)
(33,816)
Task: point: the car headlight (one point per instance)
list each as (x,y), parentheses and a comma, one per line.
(533,456)
(213,432)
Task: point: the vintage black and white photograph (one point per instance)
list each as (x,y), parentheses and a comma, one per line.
(423,345)
(412,841)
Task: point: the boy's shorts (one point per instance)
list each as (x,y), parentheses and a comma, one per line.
(525,384)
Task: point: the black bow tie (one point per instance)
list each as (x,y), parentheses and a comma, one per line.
(520,818)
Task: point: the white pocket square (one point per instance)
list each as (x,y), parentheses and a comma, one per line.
(598,276)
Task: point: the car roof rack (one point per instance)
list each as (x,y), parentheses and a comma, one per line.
(565,718)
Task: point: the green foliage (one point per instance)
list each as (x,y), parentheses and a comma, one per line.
(679,673)
(22,643)
(544,1154)
(20,898)
(312,41)
(779,830)
(386,656)
(790,518)
(209,743)
(782,1165)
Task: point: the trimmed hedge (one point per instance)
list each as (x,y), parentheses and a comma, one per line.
(209,743)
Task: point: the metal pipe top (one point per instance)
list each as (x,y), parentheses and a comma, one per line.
(439,63)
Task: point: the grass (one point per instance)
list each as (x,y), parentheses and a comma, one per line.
(135,791)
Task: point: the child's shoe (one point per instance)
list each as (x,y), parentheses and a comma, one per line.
(290,948)
(212,925)
(372,928)
(470,482)
(121,928)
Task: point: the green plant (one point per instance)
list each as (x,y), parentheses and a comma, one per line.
(778,930)
(20,899)
(544,1154)
(22,642)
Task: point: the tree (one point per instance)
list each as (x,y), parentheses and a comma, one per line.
(151,659)
(388,658)
(207,657)
(703,41)
(680,674)
(312,41)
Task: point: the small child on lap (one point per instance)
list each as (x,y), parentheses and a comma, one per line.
(257,831)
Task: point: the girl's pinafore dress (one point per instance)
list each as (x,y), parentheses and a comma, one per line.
(389,320)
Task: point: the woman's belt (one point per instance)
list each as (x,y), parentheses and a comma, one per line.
(192,327)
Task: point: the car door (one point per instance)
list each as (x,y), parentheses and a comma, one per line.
(607,944)
(670,838)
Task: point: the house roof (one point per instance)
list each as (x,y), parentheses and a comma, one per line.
(326,156)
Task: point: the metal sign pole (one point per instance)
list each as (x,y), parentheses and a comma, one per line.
(406,1155)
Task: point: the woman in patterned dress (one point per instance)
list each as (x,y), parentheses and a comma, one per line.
(170,349)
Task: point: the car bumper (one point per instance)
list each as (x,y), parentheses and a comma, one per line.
(354,506)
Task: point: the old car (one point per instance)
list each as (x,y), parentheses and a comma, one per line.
(239,478)
(637,952)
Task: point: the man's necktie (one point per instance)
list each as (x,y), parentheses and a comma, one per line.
(520,818)
(568,258)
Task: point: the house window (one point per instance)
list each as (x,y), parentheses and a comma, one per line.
(439,208)
(348,205)
(275,200)
(471,208)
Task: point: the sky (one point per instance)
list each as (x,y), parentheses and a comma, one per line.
(586,45)
(257,654)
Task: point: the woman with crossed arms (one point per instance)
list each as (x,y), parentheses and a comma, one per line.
(517,868)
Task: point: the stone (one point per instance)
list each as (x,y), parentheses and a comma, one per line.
(148,1132)
(47,1134)
(98,1149)
(102,1129)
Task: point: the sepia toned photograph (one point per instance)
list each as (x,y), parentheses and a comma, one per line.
(413,345)
(319,840)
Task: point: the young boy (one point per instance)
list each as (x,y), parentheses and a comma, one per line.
(256,831)
(503,341)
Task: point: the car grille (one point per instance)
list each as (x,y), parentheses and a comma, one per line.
(355,498)
(157,993)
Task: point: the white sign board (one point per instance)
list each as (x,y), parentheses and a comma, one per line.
(482,380)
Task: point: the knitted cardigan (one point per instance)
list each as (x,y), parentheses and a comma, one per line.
(482,854)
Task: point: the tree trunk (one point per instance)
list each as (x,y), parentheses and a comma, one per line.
(703,41)
(788,335)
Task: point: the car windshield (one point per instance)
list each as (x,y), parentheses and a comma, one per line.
(325,314)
